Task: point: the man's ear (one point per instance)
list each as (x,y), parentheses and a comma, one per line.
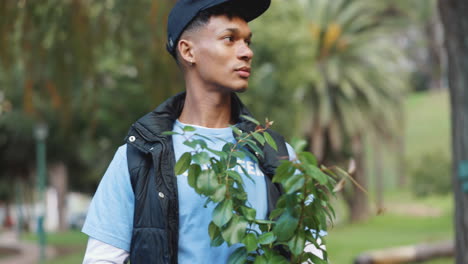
(185,48)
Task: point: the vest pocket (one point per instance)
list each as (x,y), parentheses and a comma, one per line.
(149,245)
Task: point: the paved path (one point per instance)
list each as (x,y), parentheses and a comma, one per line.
(28,252)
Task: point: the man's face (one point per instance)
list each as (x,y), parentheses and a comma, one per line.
(222,54)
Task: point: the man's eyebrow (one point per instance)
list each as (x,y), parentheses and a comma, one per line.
(236,31)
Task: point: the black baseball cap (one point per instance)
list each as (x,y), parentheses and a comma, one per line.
(185,11)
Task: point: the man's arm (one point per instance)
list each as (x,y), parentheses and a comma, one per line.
(109,221)
(100,252)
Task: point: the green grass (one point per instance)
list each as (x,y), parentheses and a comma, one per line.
(345,242)
(427,123)
(68,238)
(73,242)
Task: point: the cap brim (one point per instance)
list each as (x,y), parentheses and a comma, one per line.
(251,9)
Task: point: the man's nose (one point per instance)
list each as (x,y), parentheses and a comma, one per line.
(245,52)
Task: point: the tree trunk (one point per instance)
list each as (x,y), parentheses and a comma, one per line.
(401,147)
(455,21)
(358,201)
(432,30)
(58,179)
(317,138)
(378,173)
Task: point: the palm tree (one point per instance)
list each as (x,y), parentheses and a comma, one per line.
(341,61)
(357,87)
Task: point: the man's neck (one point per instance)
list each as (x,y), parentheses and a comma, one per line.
(207,108)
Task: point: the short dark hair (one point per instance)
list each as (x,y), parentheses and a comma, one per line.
(203,17)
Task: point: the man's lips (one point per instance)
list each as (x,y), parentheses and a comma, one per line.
(243,72)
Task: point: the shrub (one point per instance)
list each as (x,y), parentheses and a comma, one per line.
(431,175)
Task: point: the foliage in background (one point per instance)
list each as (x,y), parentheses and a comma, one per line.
(431,175)
(301,212)
(336,64)
(340,61)
(86,68)
(91,68)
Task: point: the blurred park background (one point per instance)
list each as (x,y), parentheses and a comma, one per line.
(351,79)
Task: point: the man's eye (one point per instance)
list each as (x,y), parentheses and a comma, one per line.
(229,38)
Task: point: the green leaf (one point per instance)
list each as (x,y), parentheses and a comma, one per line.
(236,130)
(251,156)
(259,138)
(329,215)
(238,154)
(261,221)
(219,195)
(283,172)
(190,144)
(215,235)
(194,172)
(285,226)
(239,193)
(298,144)
(248,212)
(232,162)
(217,241)
(278,259)
(228,147)
(235,231)
(261,260)
(270,140)
(255,148)
(239,256)
(183,163)
(201,158)
(316,260)
(223,213)
(188,128)
(266,238)
(297,244)
(194,143)
(235,176)
(170,133)
(207,183)
(200,142)
(213,230)
(220,154)
(276,213)
(251,119)
(217,166)
(204,137)
(268,252)
(293,183)
(308,158)
(250,242)
(316,173)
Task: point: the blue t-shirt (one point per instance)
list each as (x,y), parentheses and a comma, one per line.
(110,215)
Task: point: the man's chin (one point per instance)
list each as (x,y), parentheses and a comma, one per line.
(238,89)
(241,90)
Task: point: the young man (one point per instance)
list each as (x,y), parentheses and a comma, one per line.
(141,211)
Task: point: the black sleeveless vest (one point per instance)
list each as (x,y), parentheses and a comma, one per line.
(151,161)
